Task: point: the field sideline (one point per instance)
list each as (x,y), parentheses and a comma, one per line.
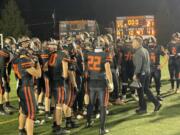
(122,121)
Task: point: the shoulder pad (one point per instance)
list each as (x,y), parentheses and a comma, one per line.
(26,63)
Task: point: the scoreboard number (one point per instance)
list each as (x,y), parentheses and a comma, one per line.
(135,25)
(133,22)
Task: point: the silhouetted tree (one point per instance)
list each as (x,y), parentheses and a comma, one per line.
(11,21)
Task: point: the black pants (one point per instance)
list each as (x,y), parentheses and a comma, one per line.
(156,74)
(144,79)
(127,74)
(103,98)
(174,74)
(78,103)
(116,84)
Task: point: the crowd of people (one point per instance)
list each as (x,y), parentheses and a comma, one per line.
(79,76)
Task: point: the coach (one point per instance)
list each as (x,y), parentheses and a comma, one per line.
(141,62)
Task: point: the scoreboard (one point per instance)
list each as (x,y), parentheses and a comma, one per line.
(135,25)
(77,26)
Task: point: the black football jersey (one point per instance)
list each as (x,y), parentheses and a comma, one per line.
(20,67)
(173,52)
(127,56)
(4,58)
(95,64)
(55,64)
(43,56)
(154,54)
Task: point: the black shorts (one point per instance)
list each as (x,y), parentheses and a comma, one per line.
(70,94)
(27,101)
(40,85)
(58,91)
(47,87)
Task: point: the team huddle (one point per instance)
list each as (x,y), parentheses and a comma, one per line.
(81,75)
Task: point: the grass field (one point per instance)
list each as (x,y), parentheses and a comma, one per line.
(122,121)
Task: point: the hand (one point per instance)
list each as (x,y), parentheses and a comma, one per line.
(45,67)
(86,99)
(135,78)
(117,72)
(160,67)
(76,89)
(110,87)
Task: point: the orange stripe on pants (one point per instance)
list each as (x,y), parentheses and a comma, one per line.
(62,94)
(47,86)
(32,106)
(27,101)
(106,98)
(59,94)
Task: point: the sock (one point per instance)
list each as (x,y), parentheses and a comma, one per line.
(52,109)
(68,119)
(172,84)
(89,112)
(54,124)
(58,127)
(47,112)
(1,107)
(22,130)
(7,103)
(102,117)
(40,104)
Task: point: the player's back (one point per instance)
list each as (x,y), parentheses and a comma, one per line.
(96,68)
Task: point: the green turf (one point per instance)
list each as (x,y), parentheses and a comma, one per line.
(122,121)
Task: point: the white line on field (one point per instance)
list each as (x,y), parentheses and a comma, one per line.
(9,121)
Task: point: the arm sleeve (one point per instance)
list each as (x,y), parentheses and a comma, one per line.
(138,60)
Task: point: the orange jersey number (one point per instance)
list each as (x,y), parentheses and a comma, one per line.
(52,60)
(153,57)
(94,63)
(128,56)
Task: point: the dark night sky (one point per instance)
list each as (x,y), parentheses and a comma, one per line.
(104,11)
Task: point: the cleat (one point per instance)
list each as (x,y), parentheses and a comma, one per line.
(54,128)
(89,124)
(157,107)
(172,90)
(71,124)
(22,132)
(42,122)
(103,131)
(41,112)
(110,104)
(178,91)
(61,131)
(48,117)
(107,112)
(3,112)
(97,116)
(141,112)
(159,98)
(135,98)
(119,102)
(8,110)
(79,117)
(10,107)
(85,112)
(37,123)
(124,98)
(41,107)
